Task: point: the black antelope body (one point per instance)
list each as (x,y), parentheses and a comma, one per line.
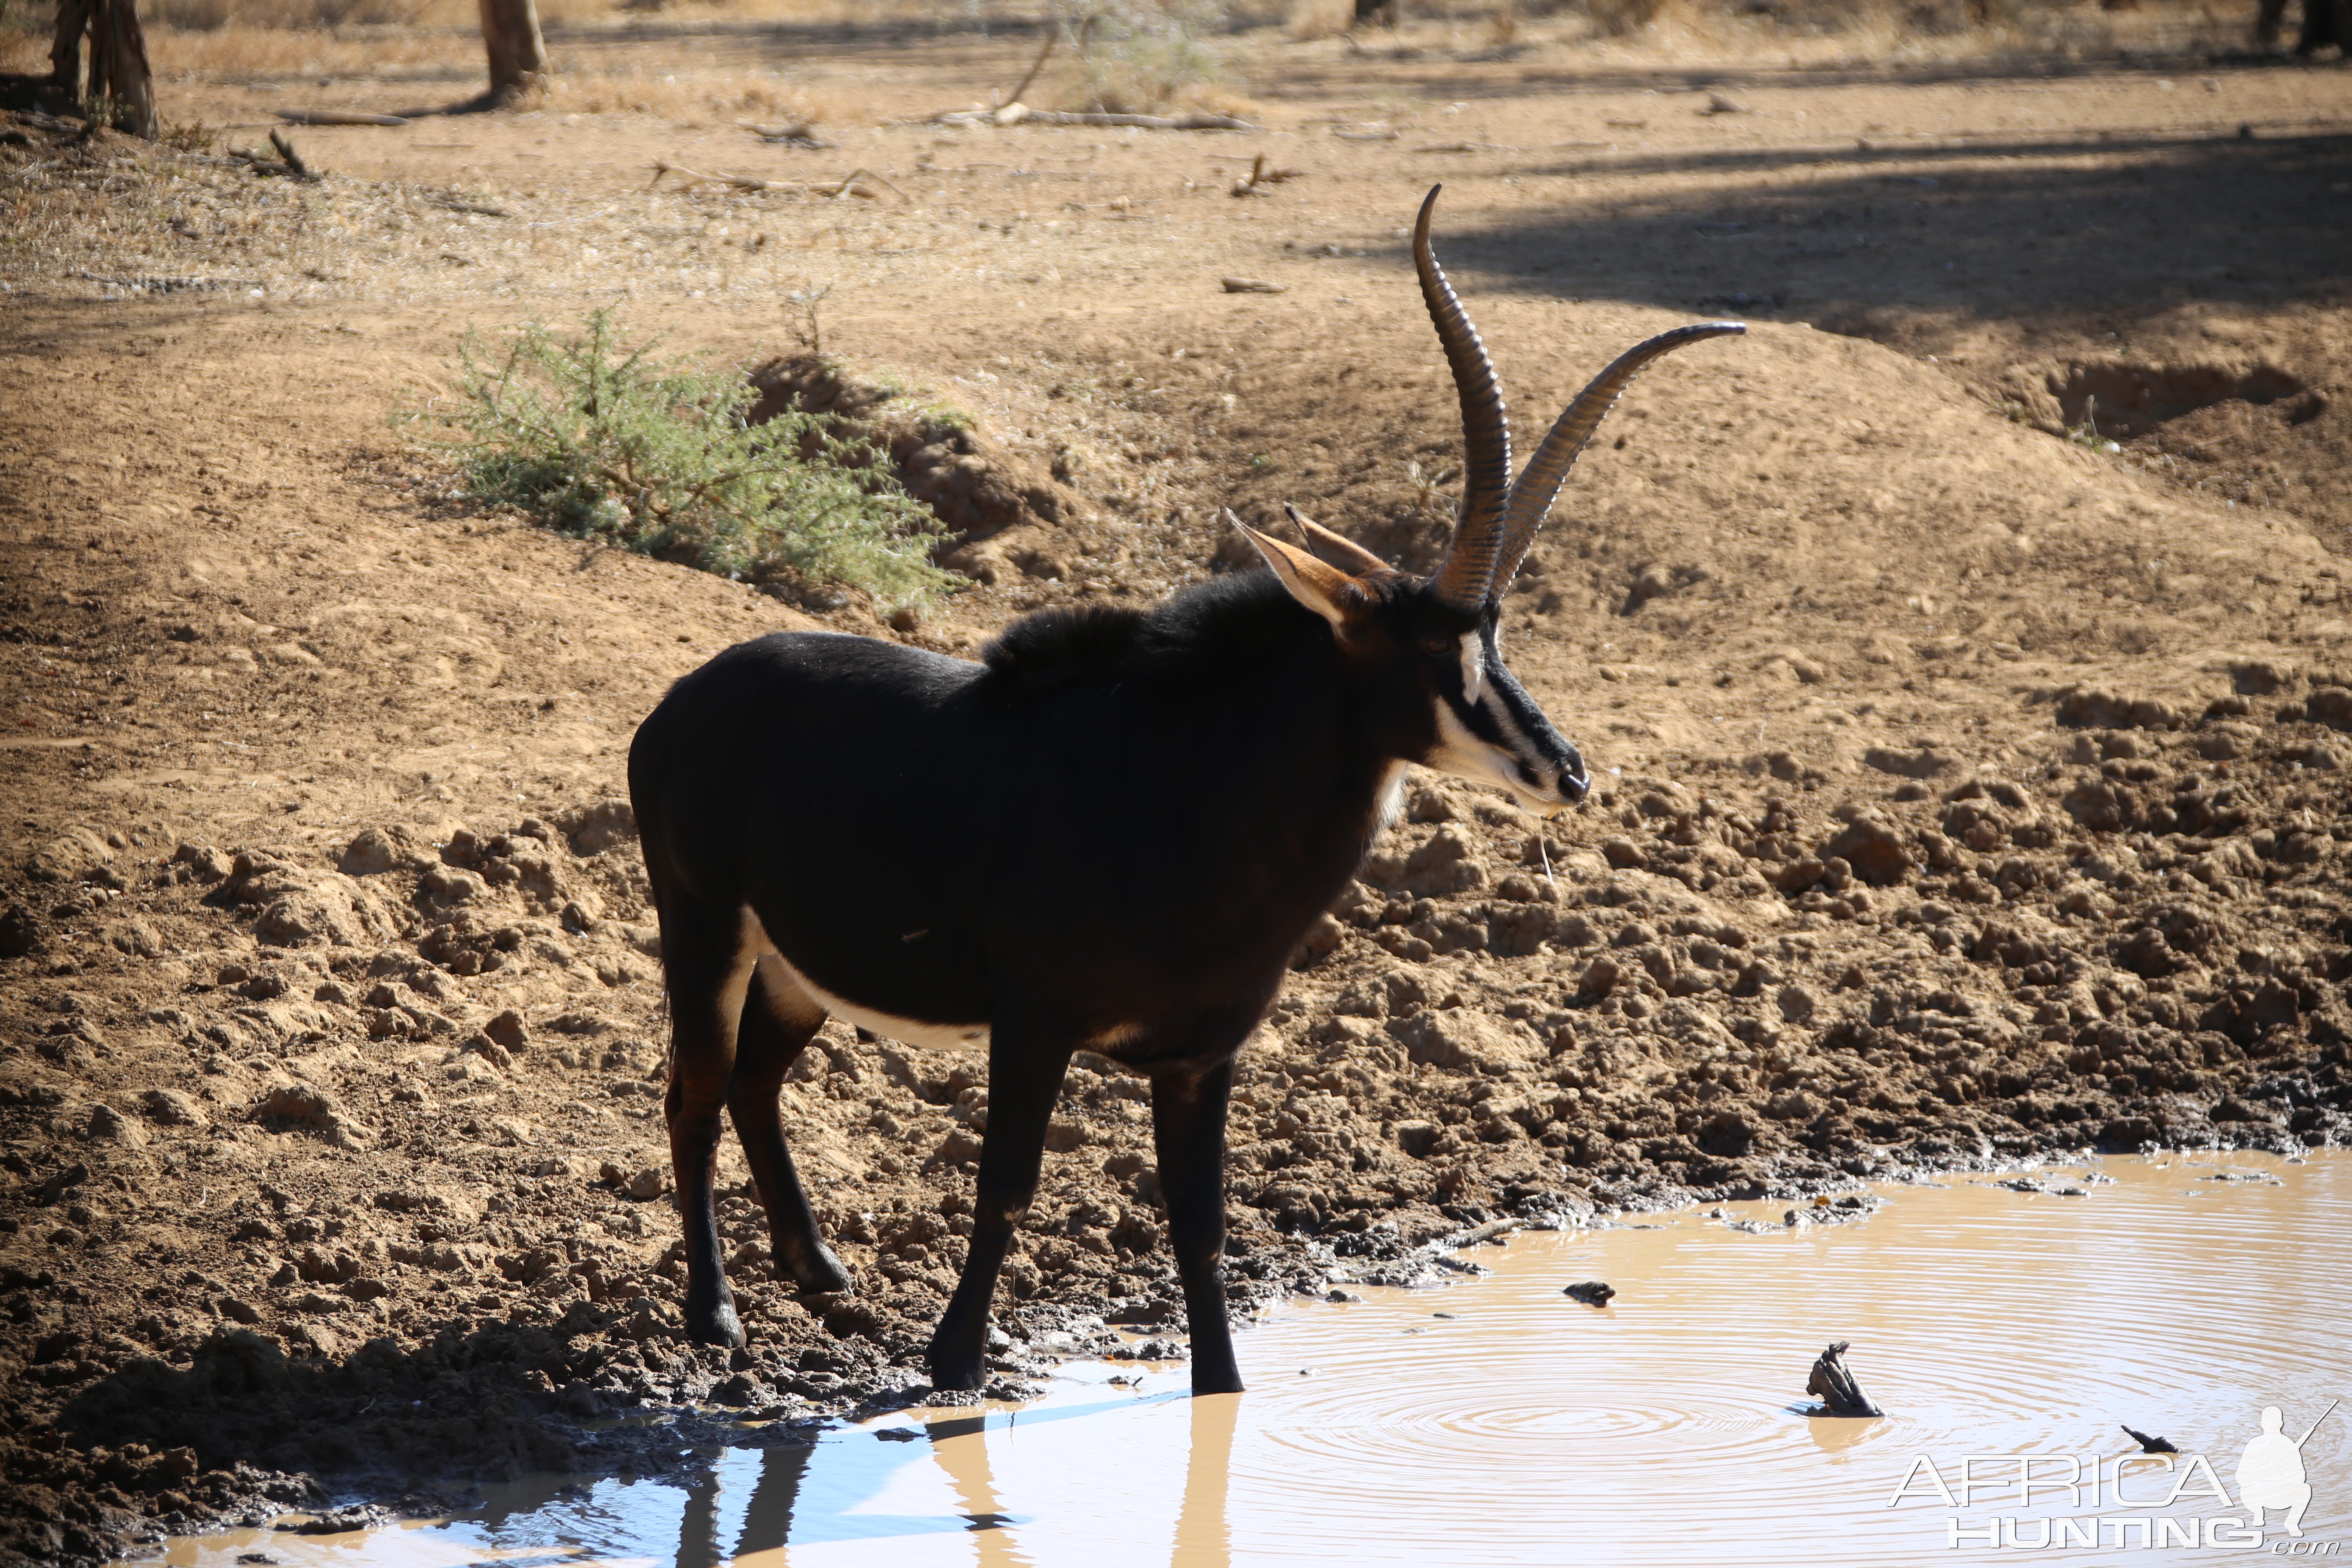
(1152,806)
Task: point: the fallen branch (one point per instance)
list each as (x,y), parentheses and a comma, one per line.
(1260,176)
(285,145)
(850,185)
(171,284)
(859,182)
(1018,113)
(336,117)
(800,134)
(739,181)
(287,162)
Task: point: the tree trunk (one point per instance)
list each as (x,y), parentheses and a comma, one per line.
(65,46)
(2326,22)
(118,67)
(118,79)
(518,54)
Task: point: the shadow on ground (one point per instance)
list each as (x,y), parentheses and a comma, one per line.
(2014,231)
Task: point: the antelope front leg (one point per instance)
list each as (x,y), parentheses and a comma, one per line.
(1023,1078)
(1188,1126)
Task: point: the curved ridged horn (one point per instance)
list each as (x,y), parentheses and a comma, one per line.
(1461,577)
(1538,483)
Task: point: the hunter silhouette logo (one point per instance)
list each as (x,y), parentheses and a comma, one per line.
(2156,1499)
(2271,1473)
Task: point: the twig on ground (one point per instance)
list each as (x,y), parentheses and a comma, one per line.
(1022,114)
(285,145)
(171,284)
(739,181)
(798,134)
(336,117)
(862,182)
(855,184)
(1260,177)
(1254,285)
(287,162)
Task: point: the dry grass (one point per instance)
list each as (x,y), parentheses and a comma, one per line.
(558,14)
(239,51)
(1652,33)
(1313,19)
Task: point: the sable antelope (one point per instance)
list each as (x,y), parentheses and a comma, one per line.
(1153,806)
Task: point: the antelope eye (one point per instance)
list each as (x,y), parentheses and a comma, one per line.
(1434,644)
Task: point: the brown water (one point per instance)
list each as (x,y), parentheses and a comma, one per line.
(1495,1421)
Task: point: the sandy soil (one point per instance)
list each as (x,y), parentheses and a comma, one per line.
(1966,653)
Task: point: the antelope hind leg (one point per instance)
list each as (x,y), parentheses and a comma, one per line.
(708,965)
(779,1020)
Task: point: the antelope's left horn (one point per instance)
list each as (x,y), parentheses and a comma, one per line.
(1538,483)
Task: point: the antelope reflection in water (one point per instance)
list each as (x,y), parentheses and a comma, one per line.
(791,1508)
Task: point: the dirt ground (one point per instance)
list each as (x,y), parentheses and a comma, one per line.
(1965,654)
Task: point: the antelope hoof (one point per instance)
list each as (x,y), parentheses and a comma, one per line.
(956,1371)
(820,1273)
(714,1324)
(1216,1380)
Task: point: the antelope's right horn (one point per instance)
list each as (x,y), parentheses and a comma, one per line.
(1463,577)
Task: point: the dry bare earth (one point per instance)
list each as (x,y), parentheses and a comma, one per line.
(1972,791)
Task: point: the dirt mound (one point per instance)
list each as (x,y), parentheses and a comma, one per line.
(1007,514)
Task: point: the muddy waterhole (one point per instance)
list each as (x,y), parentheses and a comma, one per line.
(1497,1419)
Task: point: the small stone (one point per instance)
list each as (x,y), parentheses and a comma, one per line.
(204,863)
(374,852)
(648,1181)
(490,1050)
(170,1108)
(1874,851)
(107,1125)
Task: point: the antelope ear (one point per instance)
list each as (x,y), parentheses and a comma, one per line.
(1322,589)
(1336,548)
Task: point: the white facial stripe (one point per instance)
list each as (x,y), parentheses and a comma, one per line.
(1465,756)
(1474,667)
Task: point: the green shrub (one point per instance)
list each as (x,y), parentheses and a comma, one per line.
(604,441)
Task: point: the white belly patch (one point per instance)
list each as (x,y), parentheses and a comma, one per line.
(912,1031)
